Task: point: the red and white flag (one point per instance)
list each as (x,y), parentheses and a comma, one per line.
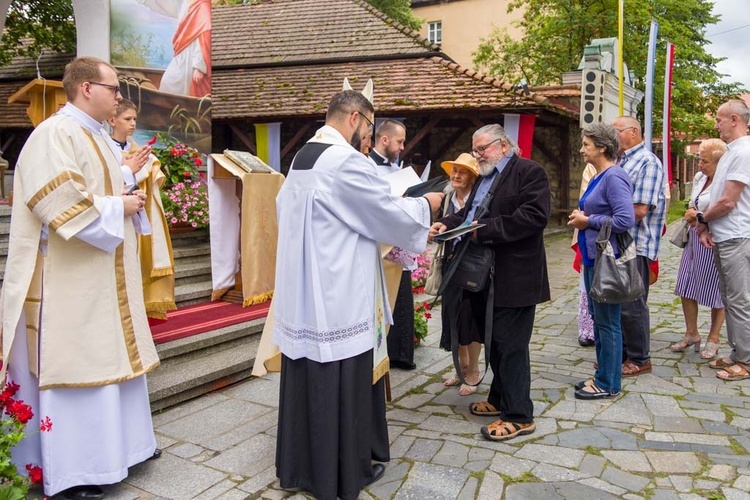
(520,128)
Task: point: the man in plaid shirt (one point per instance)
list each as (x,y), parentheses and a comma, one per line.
(649,201)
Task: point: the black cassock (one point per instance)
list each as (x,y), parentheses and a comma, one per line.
(331,426)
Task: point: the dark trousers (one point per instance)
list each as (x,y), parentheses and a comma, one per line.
(636,324)
(509,358)
(401,334)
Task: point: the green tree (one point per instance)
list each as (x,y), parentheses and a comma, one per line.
(34,25)
(556,31)
(400,10)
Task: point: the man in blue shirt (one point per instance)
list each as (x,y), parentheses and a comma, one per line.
(649,202)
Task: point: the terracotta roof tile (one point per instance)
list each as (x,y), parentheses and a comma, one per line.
(401,86)
(51,65)
(13,115)
(299,31)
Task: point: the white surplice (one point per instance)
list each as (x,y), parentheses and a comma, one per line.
(331,218)
(101,426)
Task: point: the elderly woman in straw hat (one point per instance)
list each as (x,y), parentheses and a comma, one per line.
(463,171)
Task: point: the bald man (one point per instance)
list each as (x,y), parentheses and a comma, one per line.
(725,227)
(649,202)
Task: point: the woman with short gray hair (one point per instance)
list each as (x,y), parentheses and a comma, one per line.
(607,197)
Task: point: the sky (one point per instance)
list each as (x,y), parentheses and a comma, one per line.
(734,44)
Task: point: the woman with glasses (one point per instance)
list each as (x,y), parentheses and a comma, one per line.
(607,197)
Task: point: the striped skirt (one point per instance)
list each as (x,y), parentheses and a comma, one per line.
(698,277)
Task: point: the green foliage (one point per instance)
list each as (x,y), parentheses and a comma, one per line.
(48,23)
(179,162)
(400,10)
(556,31)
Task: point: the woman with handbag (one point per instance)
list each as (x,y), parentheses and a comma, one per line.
(463,171)
(608,197)
(698,277)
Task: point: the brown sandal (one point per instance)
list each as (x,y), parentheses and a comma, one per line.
(737,371)
(721,363)
(501,430)
(484,409)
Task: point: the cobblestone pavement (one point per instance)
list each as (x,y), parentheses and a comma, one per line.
(678,432)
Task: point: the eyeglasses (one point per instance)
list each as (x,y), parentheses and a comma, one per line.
(370,125)
(479,151)
(621,130)
(114,88)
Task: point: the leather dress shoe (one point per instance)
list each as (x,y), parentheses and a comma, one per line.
(84,492)
(585,342)
(157,454)
(377,473)
(403,365)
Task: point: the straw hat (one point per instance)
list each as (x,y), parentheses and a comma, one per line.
(464,160)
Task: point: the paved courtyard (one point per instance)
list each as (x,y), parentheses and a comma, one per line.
(678,432)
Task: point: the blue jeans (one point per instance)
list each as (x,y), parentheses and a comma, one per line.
(607,339)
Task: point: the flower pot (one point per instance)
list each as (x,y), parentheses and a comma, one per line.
(181,227)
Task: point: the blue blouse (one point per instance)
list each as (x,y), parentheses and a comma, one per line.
(609,196)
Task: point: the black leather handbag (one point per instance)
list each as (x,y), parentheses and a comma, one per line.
(476,268)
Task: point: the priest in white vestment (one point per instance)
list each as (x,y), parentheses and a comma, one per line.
(74,329)
(330,304)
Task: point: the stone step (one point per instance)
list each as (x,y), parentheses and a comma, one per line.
(204,343)
(191,252)
(192,293)
(181,378)
(192,272)
(189,239)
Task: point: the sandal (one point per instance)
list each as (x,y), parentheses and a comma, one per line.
(501,430)
(453,381)
(484,409)
(583,383)
(720,363)
(593,391)
(686,342)
(737,371)
(467,390)
(710,350)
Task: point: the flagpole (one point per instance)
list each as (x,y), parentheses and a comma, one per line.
(620,55)
(648,121)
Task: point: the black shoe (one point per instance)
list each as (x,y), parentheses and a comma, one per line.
(157,454)
(377,472)
(403,365)
(585,342)
(87,492)
(597,393)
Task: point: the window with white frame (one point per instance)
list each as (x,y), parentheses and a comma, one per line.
(435,32)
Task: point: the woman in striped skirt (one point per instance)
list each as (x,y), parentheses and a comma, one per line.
(698,277)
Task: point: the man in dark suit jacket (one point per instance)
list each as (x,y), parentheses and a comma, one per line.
(518,213)
(389,142)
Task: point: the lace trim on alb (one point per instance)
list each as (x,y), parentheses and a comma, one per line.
(328,336)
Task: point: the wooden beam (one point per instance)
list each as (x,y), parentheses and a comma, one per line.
(243,137)
(420,135)
(299,135)
(476,121)
(564,168)
(8,142)
(449,143)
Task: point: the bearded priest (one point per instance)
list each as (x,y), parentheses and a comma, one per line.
(331,306)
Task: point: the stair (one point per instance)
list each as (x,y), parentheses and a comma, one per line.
(192,262)
(203,363)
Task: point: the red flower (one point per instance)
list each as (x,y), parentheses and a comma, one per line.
(152,141)
(186,173)
(35,473)
(19,410)
(427,315)
(198,161)
(45,425)
(202,175)
(7,395)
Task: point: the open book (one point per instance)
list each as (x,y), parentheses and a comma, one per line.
(465,227)
(406,182)
(247,161)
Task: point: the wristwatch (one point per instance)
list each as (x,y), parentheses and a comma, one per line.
(700,218)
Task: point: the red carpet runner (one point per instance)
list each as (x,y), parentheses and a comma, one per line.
(201,318)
